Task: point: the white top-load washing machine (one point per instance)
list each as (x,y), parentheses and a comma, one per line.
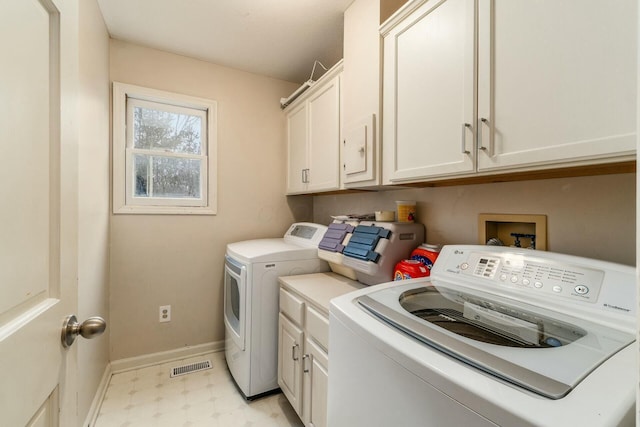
(252,269)
(497,336)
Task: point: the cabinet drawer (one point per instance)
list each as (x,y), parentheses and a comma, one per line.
(291,306)
(318,327)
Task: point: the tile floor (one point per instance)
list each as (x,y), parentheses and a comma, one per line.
(149,397)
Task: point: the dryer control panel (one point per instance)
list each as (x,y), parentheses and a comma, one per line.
(305,234)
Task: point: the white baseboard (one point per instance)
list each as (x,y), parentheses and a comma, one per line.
(145,360)
(94,409)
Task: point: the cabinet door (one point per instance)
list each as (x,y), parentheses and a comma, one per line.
(290,341)
(324,137)
(296,149)
(359,150)
(316,380)
(428,100)
(360,91)
(557,81)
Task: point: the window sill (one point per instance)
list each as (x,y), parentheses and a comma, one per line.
(163,210)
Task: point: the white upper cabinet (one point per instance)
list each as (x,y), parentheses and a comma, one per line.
(297,135)
(313,137)
(324,137)
(487,86)
(557,81)
(361,95)
(429,92)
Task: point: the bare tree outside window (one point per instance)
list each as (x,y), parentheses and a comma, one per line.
(170,138)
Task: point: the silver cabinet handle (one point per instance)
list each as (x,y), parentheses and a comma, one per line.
(305,176)
(465,126)
(90,328)
(293,352)
(485,122)
(305,370)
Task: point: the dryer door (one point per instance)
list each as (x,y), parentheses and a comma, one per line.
(235,301)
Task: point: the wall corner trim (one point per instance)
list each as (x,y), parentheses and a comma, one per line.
(94,410)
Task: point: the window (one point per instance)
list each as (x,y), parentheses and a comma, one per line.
(164,152)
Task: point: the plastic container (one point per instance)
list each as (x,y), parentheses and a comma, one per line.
(409,269)
(406,210)
(426,254)
(385,216)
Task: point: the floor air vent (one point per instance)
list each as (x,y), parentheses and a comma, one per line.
(187,369)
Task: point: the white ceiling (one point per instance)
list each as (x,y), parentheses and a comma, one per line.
(276,38)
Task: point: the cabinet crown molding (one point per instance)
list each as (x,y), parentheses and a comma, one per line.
(331,73)
(402,13)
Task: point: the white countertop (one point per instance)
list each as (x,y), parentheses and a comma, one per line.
(320,288)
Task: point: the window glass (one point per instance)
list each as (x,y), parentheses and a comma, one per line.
(159,176)
(155,129)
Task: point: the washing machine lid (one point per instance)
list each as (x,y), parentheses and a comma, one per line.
(546,352)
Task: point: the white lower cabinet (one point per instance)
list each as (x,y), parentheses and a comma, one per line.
(316,384)
(303,341)
(290,346)
(303,362)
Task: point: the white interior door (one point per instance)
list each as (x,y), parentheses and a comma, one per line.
(38,232)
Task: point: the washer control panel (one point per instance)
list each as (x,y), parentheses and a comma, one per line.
(538,274)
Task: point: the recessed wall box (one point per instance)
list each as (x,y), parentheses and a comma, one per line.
(528,231)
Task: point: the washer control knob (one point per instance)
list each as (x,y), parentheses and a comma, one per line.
(514,279)
(538,285)
(557,289)
(581,289)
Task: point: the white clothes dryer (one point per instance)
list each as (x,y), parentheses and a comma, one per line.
(251,304)
(496,337)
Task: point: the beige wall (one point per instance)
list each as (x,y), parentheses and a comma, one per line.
(178,260)
(93,198)
(389,7)
(588,216)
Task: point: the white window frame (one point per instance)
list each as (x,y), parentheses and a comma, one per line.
(131,151)
(125,96)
